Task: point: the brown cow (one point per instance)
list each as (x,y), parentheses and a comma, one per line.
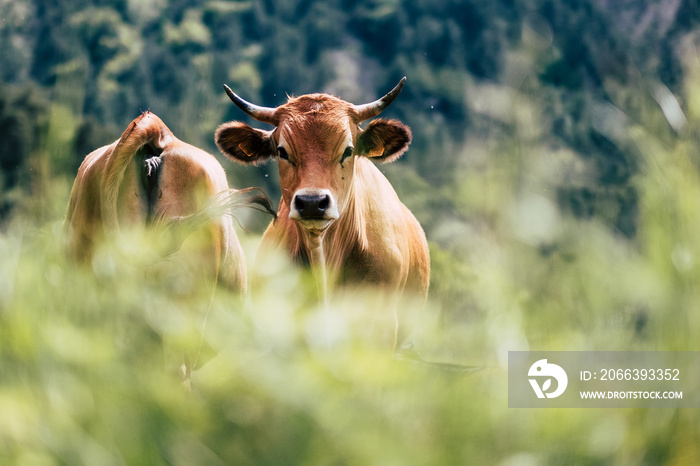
(148,177)
(338,213)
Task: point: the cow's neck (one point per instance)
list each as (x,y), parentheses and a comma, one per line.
(317,258)
(328,250)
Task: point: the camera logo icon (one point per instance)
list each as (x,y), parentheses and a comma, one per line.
(546,372)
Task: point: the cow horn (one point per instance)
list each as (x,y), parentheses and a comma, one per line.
(373,109)
(264,114)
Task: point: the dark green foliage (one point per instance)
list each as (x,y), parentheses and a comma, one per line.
(23,124)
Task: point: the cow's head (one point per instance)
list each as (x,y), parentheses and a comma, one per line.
(317,138)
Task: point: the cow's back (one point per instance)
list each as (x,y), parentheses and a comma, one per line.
(184,181)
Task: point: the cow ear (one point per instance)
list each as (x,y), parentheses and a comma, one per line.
(384,140)
(243,143)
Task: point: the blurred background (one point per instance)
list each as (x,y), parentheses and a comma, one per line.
(554,168)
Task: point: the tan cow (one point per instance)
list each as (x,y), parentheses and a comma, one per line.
(149,178)
(338,213)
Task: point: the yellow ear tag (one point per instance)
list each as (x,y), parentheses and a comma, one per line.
(241,147)
(376,152)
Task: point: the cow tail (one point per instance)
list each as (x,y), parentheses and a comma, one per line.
(147,128)
(260,200)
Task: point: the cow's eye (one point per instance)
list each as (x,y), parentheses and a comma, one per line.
(346,154)
(282,153)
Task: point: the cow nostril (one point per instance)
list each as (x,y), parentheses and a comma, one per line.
(298,204)
(324,203)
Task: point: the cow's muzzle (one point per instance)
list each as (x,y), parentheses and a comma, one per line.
(314,208)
